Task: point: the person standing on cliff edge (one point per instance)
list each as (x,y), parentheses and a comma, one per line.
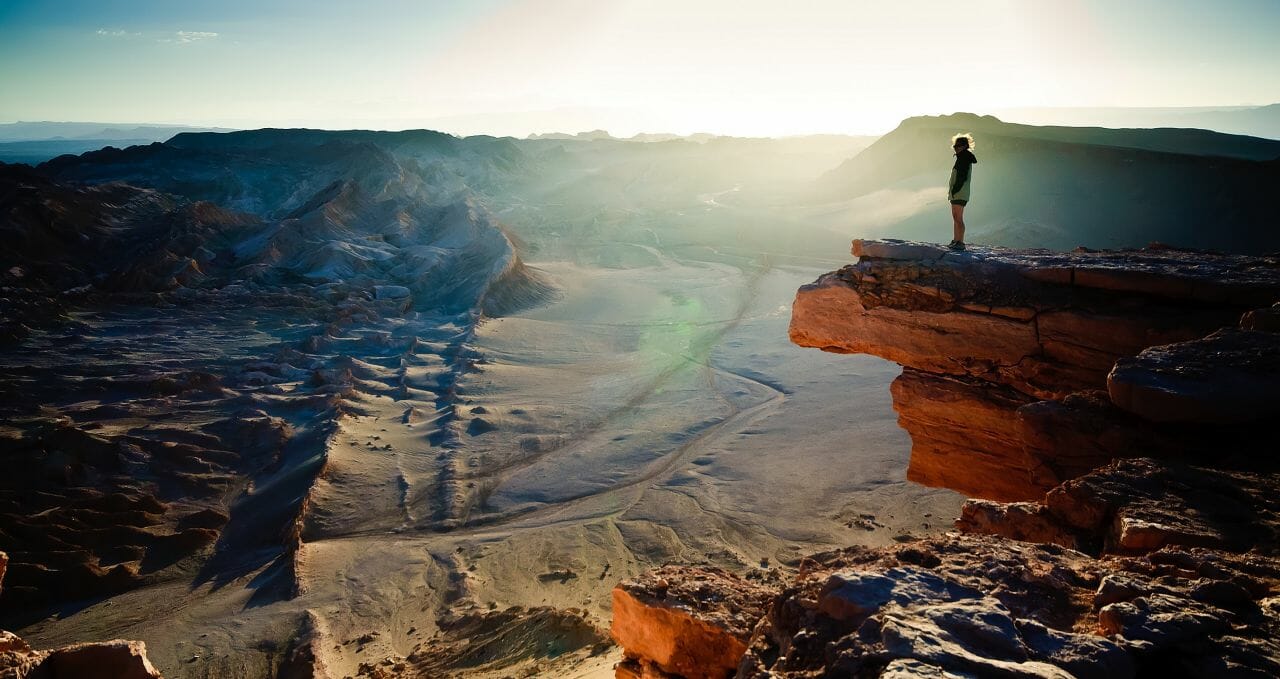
(958,187)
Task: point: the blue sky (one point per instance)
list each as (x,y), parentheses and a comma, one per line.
(519,66)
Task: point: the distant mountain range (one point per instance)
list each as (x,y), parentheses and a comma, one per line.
(1059,187)
(1254,121)
(52,131)
(36,142)
(271,207)
(592,135)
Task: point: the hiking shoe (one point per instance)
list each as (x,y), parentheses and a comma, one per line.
(956,245)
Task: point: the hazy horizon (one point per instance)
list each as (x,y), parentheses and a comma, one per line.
(519,67)
(1042,116)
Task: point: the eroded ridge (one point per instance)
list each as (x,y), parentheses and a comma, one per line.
(181,361)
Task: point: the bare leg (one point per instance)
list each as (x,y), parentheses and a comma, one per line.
(957,222)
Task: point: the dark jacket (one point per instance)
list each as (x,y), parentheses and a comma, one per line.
(961,175)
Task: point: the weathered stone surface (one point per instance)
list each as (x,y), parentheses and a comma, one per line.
(849,595)
(1025,521)
(1140,505)
(975,606)
(1085,656)
(914,669)
(1161,619)
(891,248)
(1108,304)
(11,643)
(961,600)
(694,622)
(1231,376)
(16,657)
(1084,431)
(977,637)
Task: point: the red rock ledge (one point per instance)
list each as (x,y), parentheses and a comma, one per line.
(994,344)
(685,621)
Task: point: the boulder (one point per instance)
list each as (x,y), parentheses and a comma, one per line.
(1025,521)
(1231,376)
(1140,505)
(689,621)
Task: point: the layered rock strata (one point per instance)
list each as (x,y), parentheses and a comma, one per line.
(1003,351)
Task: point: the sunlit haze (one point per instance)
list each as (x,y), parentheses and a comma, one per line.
(522,66)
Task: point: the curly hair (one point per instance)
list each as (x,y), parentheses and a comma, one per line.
(968,140)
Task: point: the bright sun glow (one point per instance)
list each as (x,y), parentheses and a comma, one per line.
(743,67)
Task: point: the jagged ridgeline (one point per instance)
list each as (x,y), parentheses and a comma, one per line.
(359,209)
(1060,187)
(185,324)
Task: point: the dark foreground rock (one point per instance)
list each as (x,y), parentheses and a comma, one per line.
(990,607)
(1140,505)
(1229,377)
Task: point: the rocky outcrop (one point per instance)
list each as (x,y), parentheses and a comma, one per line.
(1231,376)
(1135,506)
(988,606)
(687,621)
(1006,353)
(984,606)
(118,659)
(1096,393)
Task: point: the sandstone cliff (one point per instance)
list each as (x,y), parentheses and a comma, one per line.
(1114,400)
(994,345)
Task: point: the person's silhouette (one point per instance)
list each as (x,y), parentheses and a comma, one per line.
(958,186)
